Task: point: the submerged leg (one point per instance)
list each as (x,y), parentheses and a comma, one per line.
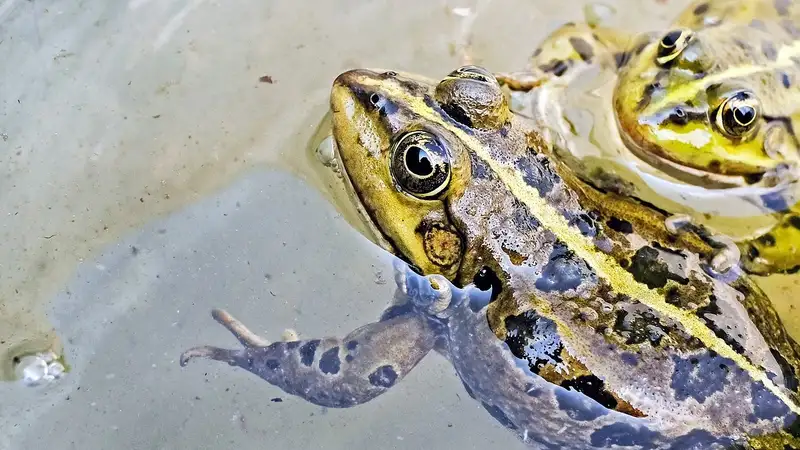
(778,250)
(329,372)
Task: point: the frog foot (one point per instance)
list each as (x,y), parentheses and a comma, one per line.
(520,81)
(726,252)
(329,372)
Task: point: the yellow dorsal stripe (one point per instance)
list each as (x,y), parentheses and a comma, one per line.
(604,265)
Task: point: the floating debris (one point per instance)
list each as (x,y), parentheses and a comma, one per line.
(41,368)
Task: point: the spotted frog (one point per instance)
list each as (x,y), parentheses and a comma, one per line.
(712,103)
(574,316)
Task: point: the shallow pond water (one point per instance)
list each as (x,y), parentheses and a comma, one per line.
(155,167)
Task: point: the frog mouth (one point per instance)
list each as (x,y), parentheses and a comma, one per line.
(653,155)
(375,233)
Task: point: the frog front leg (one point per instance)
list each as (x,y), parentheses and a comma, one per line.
(571,49)
(329,372)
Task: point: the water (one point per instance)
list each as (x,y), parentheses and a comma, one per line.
(149,176)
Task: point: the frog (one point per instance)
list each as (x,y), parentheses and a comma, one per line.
(709,102)
(572,314)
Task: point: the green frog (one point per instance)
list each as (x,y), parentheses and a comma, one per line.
(712,103)
(573,315)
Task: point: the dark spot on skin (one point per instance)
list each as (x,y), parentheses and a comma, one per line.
(743,45)
(620,58)
(479,169)
(794,221)
(769,50)
(700,440)
(537,174)
(629,358)
(307,352)
(767,240)
(714,165)
(592,387)
(766,406)
(537,52)
(700,9)
(276,400)
(624,435)
(533,339)
(458,114)
(522,219)
(352,345)
(648,268)
(556,67)
(564,270)
(753,178)
(383,377)
(484,280)
(699,377)
(789,375)
(272,364)
(330,363)
(582,48)
(782,6)
(348,358)
(785,80)
(775,201)
(622,226)
(498,414)
(639,327)
(794,428)
(585,224)
(752,252)
(579,407)
(291,345)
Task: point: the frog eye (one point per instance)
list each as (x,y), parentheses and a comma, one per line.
(420,165)
(738,114)
(671,45)
(473,73)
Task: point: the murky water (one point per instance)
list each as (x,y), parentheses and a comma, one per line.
(155,166)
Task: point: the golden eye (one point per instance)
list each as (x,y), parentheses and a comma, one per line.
(420,165)
(671,45)
(738,114)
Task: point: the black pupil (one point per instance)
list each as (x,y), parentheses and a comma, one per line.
(418,162)
(671,39)
(374,99)
(744,114)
